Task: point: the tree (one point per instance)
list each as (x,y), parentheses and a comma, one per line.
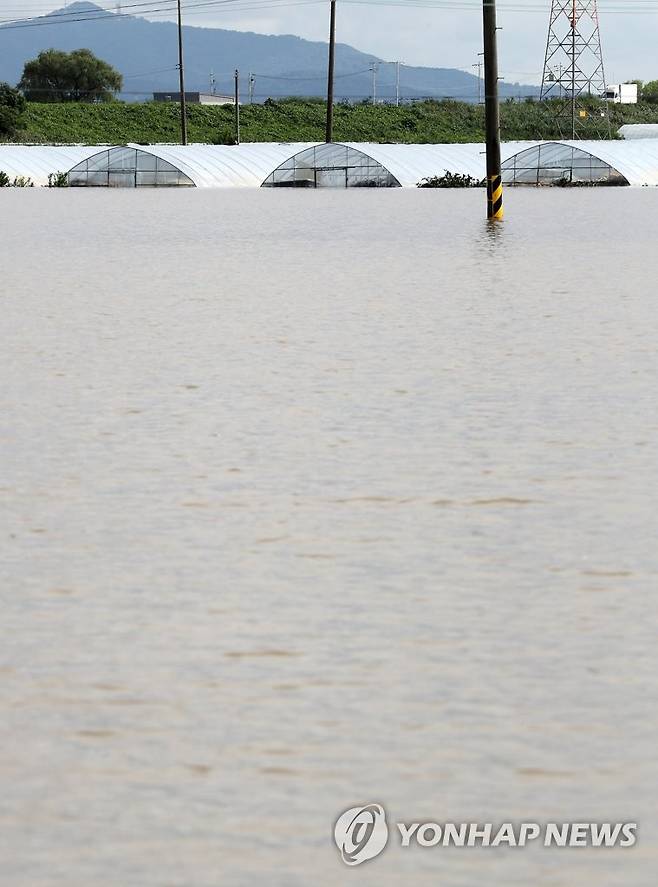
(650,92)
(77,76)
(640,87)
(12,106)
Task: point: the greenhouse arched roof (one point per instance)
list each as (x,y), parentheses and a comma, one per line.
(636,160)
(558,163)
(126,167)
(331,165)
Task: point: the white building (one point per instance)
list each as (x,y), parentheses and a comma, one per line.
(195,98)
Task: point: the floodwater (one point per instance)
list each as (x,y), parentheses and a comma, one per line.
(313,499)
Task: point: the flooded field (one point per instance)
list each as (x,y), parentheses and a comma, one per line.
(315,499)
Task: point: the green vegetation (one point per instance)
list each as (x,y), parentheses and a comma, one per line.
(12,108)
(648,92)
(78,76)
(55,180)
(58,180)
(452,180)
(18,182)
(615,182)
(304,120)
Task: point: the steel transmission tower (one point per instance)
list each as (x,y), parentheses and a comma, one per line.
(573,66)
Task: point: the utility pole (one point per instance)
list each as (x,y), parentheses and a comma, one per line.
(492,112)
(478,65)
(374,83)
(237,107)
(181,81)
(397,84)
(329,135)
(252,80)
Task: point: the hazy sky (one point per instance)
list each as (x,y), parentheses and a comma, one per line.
(427,36)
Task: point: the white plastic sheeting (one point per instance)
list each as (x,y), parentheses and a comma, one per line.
(639,131)
(636,160)
(37,162)
(411,163)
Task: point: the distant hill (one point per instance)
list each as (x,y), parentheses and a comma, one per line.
(145,53)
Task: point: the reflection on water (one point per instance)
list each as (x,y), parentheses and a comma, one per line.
(312,499)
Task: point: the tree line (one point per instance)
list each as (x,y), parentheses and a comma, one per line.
(647,91)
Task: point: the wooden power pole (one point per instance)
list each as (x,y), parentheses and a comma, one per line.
(492,113)
(181,81)
(237,107)
(330,77)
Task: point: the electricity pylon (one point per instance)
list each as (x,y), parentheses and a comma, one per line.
(573,67)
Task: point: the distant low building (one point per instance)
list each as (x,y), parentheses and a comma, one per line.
(195,98)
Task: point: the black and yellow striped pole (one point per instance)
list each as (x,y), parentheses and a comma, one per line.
(492,113)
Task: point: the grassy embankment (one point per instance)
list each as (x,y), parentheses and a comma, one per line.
(303,120)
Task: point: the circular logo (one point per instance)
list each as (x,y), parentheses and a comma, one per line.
(361,833)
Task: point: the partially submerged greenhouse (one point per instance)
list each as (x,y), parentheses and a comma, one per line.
(36,162)
(336,165)
(331,166)
(583,163)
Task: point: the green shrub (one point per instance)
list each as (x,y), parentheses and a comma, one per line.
(451,180)
(18,182)
(225,136)
(58,180)
(566,182)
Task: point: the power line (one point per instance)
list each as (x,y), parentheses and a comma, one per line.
(147,73)
(155,7)
(202,8)
(306,79)
(634,8)
(68,18)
